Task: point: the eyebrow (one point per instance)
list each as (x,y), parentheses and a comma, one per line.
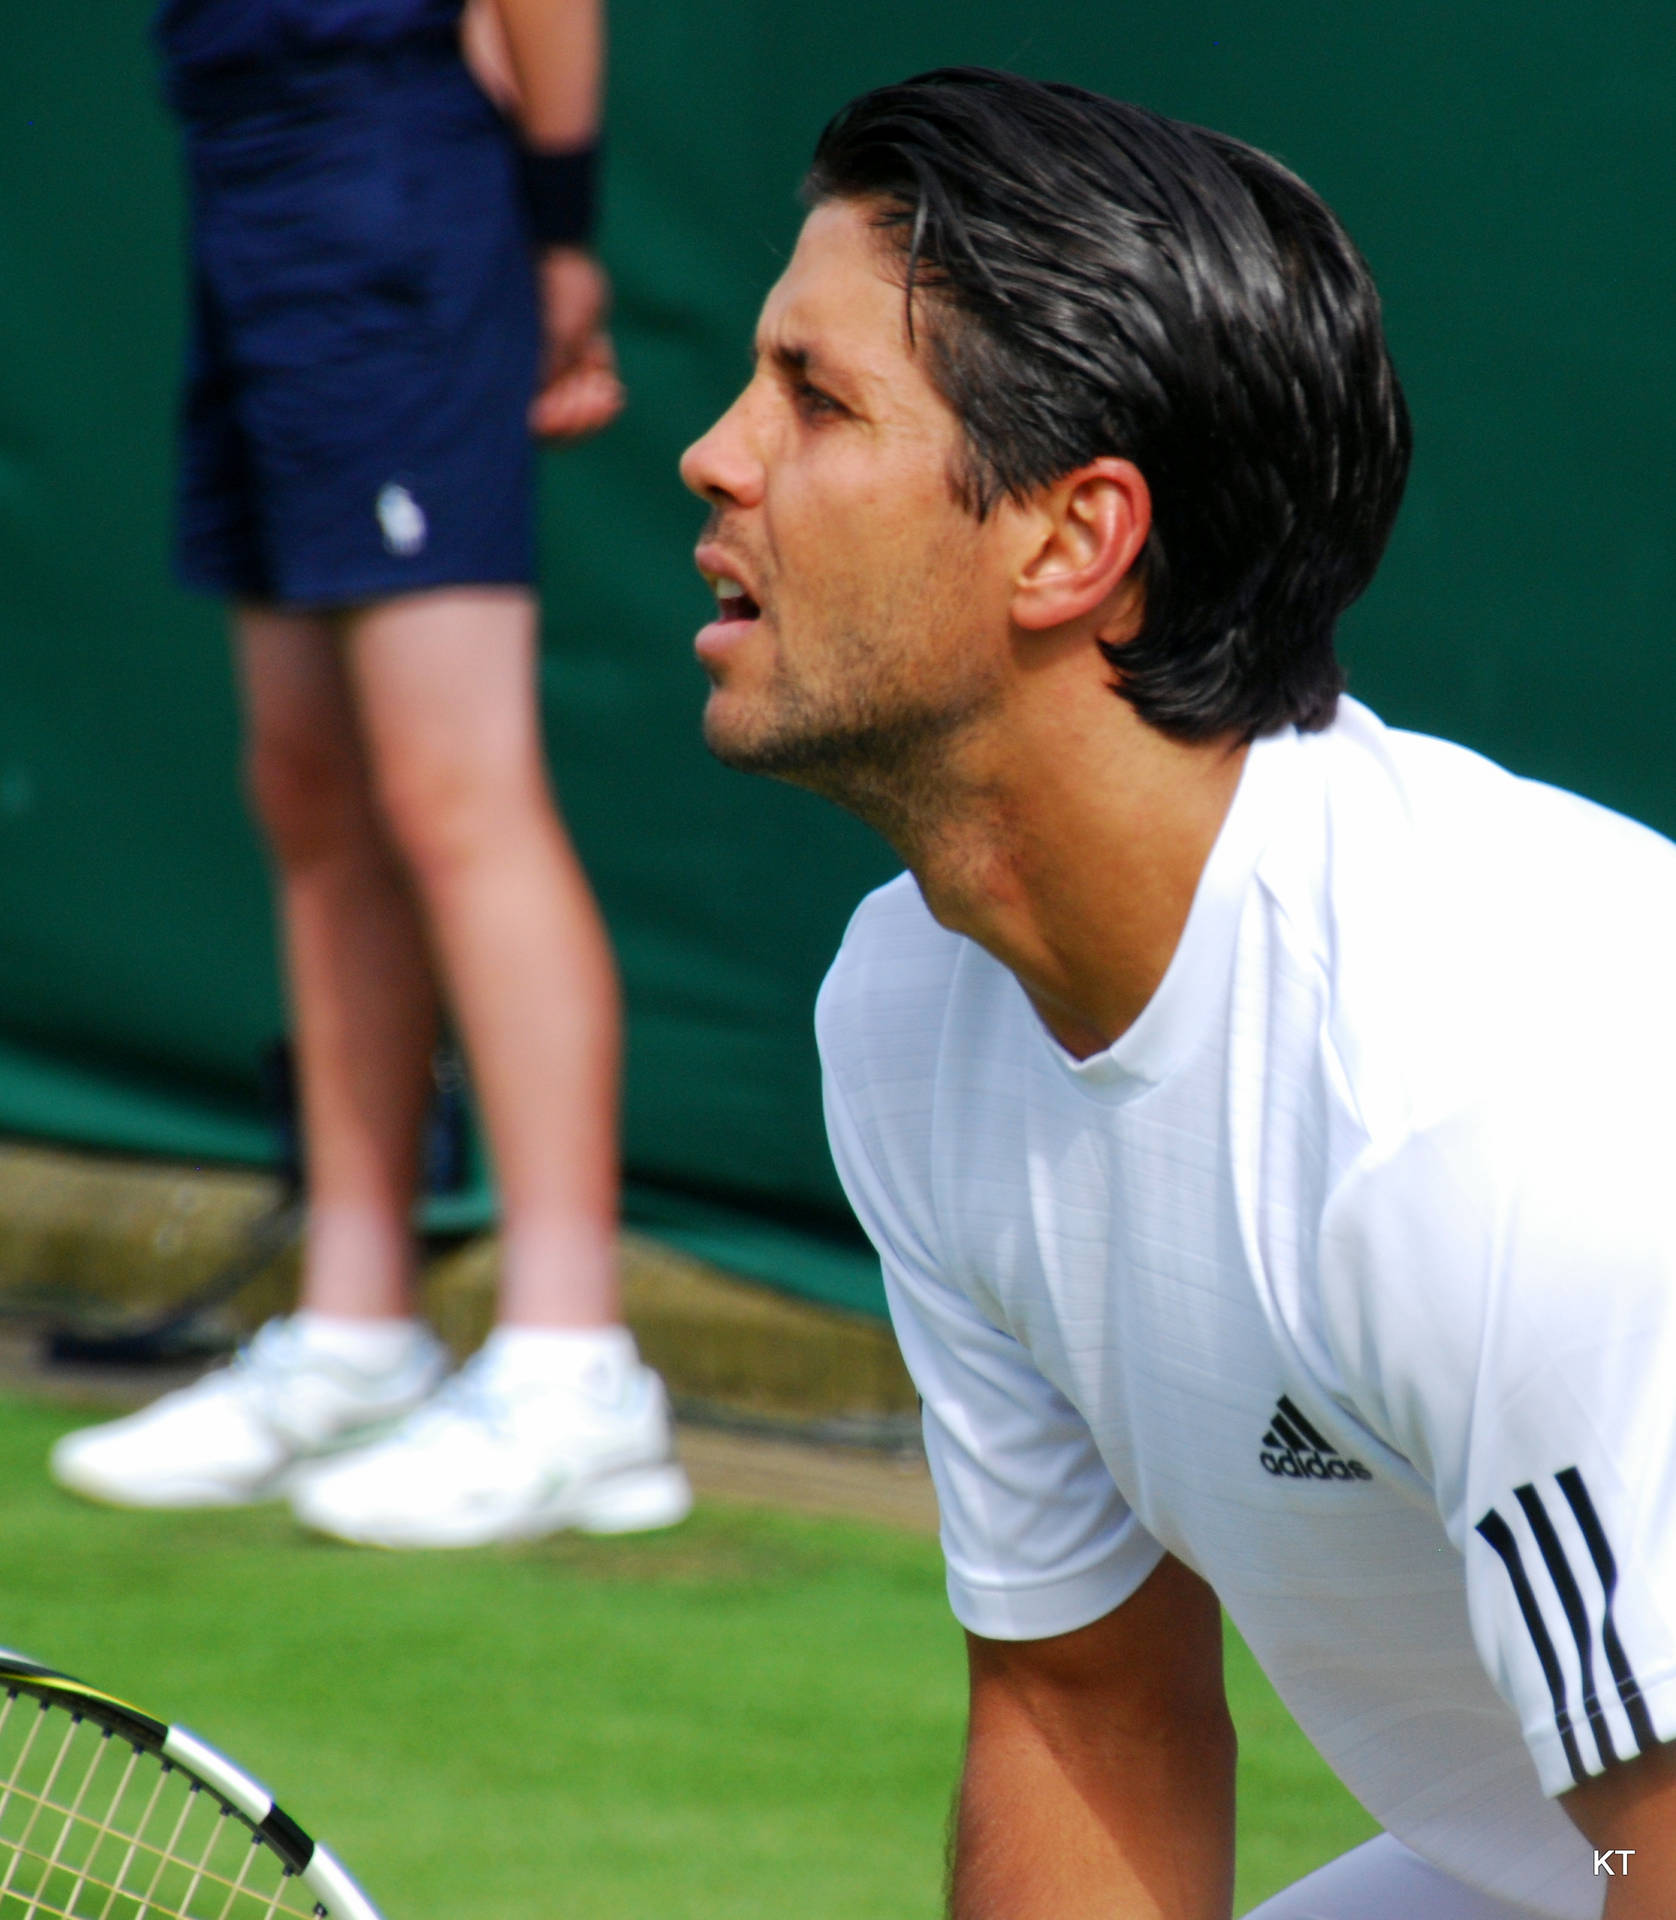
(796,360)
(789,357)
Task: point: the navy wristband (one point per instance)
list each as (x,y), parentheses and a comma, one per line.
(560,194)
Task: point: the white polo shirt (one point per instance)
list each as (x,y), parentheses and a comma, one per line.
(1348,1276)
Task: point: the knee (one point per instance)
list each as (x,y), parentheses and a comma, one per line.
(446,818)
(309,795)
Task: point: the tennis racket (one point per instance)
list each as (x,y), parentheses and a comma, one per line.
(107,1814)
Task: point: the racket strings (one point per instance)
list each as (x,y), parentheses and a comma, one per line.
(159,1780)
(75,1813)
(135,1840)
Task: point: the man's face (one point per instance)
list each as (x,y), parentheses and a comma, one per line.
(862,612)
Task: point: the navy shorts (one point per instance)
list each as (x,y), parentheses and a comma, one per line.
(365,336)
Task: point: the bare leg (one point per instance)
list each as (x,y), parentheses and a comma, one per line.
(363,1002)
(396,764)
(445,685)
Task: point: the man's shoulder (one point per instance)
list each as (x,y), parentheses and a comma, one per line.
(895,965)
(1466,919)
(894,913)
(881,1021)
(1464,813)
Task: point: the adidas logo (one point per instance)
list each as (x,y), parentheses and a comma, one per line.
(1294,1450)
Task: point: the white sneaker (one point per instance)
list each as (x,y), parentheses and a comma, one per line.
(498,1458)
(236,1435)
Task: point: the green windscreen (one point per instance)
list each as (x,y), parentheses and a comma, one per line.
(1505,168)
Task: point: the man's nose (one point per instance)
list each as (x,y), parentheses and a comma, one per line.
(720,465)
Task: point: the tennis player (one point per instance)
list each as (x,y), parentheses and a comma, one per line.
(1262,1116)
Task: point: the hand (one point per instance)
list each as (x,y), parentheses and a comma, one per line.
(579,391)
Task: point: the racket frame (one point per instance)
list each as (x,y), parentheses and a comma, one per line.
(315,1866)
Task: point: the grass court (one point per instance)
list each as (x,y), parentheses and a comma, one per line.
(752,1717)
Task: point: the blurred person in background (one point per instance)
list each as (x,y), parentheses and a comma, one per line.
(392,290)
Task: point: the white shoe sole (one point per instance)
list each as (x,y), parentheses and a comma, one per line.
(635,1501)
(181,1492)
(167,1496)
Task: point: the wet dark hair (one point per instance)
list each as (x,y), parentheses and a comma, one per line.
(1090,278)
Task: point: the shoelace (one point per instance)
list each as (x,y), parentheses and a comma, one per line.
(260,1365)
(470,1397)
(464,1398)
(264,1371)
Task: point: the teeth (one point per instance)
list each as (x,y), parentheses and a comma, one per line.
(729,590)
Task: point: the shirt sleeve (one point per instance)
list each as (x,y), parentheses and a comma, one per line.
(1499,1295)
(1036,1538)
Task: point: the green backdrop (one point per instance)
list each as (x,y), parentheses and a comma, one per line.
(1505,167)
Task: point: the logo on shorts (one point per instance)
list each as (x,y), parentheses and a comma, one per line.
(401,520)
(1294,1450)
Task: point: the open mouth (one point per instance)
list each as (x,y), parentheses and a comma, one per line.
(733,602)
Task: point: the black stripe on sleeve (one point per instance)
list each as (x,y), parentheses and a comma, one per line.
(1577,1618)
(1319,1441)
(1629,1688)
(1499,1535)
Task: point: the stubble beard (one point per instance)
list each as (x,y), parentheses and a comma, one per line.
(887,755)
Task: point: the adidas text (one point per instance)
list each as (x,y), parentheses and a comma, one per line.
(1310,1466)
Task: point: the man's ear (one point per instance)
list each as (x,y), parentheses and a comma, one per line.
(1092,525)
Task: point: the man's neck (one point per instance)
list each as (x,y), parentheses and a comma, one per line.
(1069,848)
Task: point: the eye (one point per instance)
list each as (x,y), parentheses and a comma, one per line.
(814,403)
